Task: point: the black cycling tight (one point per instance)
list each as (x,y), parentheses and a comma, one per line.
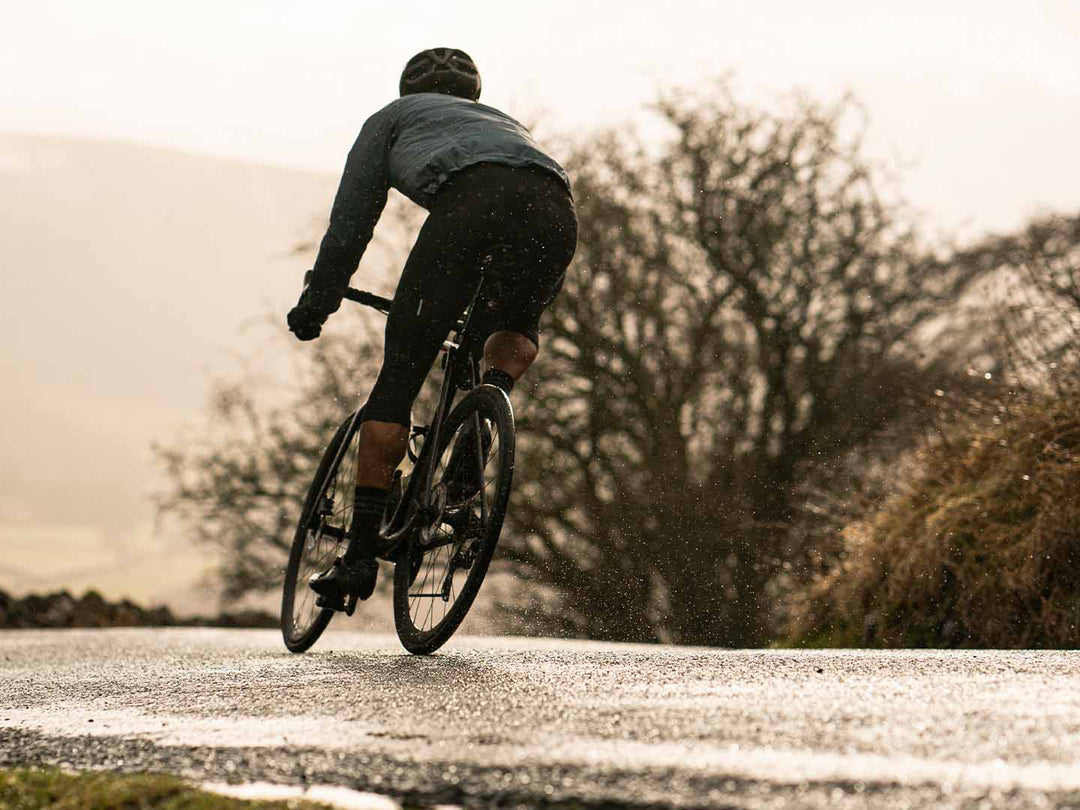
(511,232)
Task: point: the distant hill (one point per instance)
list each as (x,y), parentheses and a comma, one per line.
(130,274)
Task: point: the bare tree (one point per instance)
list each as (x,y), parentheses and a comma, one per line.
(1041,323)
(744,308)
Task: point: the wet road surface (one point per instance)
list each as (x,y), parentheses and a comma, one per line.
(505,721)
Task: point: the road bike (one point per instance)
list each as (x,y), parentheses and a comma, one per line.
(443,516)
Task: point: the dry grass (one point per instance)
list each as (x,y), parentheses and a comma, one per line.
(982,549)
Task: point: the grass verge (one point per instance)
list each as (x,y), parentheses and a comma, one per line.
(982,549)
(34,789)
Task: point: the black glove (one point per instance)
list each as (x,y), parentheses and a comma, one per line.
(310,313)
(305,322)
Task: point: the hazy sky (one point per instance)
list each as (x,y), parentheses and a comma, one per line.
(977,104)
(979,100)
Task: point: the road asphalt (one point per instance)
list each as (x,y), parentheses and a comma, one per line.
(505,721)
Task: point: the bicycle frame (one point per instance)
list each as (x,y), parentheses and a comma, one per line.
(415,507)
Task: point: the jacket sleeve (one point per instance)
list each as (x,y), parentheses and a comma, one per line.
(360,199)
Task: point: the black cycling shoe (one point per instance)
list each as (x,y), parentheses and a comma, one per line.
(463,477)
(342,584)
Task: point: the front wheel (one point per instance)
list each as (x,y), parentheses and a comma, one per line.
(320,537)
(447,555)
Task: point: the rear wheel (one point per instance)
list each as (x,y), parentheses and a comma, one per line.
(319,538)
(446,557)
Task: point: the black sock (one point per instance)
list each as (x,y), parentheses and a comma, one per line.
(498,378)
(368,505)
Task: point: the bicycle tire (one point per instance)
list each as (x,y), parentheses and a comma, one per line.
(300,566)
(490,404)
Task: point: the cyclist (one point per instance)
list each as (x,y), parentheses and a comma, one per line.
(501,221)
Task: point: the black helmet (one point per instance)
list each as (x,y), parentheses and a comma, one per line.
(441,70)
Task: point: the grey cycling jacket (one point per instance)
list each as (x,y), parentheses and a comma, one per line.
(414,144)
